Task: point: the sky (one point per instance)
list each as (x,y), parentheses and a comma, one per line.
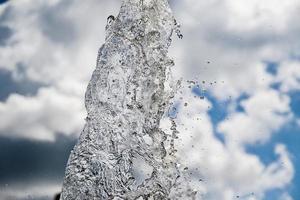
(241,141)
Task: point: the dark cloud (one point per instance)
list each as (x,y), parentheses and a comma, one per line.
(24,161)
(9,86)
(6,14)
(55,25)
(5,34)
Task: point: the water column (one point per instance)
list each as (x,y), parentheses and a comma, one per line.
(122,153)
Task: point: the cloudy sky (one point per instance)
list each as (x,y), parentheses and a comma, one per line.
(240,141)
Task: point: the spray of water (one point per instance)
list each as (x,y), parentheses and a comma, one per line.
(122,153)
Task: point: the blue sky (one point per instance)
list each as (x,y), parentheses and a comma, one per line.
(243,137)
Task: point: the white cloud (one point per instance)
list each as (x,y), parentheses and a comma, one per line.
(54,43)
(234,42)
(229,42)
(55,40)
(257,14)
(289,75)
(225,170)
(40,117)
(265,112)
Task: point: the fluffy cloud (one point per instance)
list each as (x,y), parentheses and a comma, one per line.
(227,45)
(226,170)
(264,113)
(55,44)
(51,111)
(54,40)
(289,76)
(229,41)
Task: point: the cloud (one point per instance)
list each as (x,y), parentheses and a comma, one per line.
(32,169)
(42,116)
(27,161)
(53,44)
(228,42)
(4,34)
(225,170)
(289,76)
(40,191)
(54,40)
(265,112)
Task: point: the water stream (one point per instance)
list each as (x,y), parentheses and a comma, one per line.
(122,153)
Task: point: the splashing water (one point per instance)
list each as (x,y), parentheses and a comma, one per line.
(122,153)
